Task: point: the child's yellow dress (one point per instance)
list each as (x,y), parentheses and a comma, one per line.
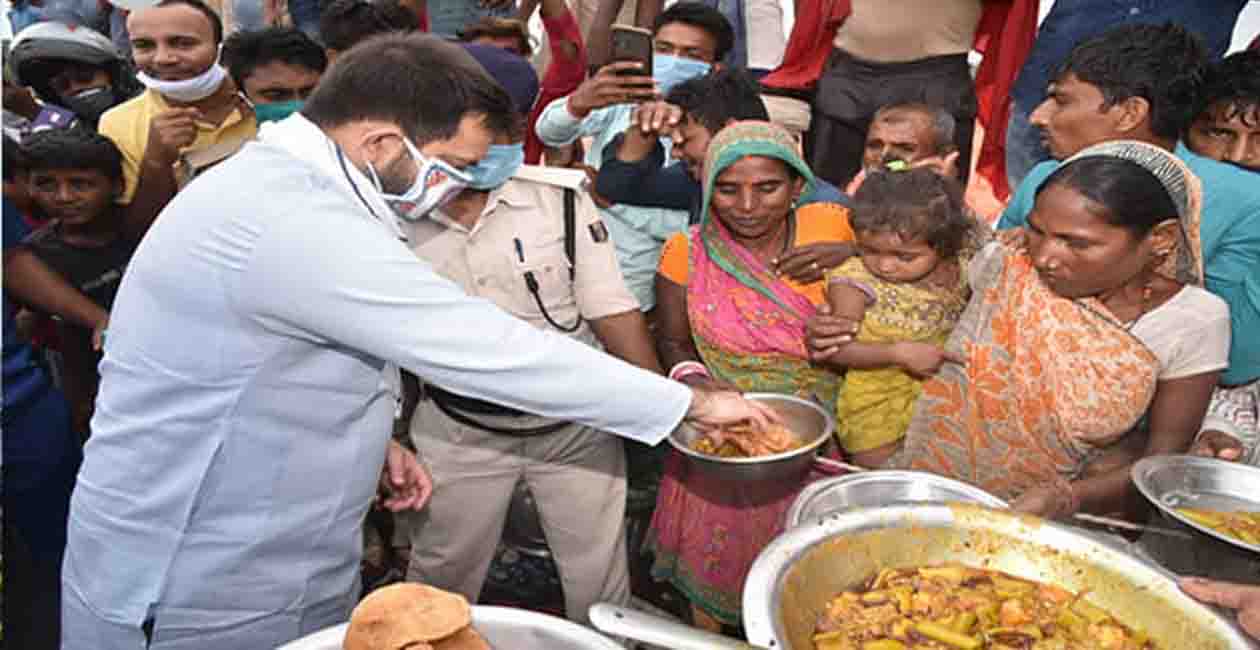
(874,406)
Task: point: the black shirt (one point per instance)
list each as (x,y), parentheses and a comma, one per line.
(95,270)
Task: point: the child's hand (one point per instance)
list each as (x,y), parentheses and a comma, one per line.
(923,359)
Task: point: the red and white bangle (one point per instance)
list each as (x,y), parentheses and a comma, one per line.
(686,369)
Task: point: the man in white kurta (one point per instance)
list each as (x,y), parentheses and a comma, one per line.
(249,377)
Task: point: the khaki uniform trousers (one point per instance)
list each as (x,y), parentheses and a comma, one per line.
(577,478)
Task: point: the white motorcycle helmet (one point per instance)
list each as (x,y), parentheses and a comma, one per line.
(36,50)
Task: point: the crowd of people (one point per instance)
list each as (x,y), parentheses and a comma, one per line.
(243,238)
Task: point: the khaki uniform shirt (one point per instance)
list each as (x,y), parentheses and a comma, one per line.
(486,262)
(897,31)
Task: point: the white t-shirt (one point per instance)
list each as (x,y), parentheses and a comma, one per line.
(1189,333)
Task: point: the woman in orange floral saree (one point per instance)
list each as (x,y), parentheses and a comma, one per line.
(1079,325)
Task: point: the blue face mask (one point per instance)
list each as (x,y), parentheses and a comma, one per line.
(276,111)
(670,70)
(499,165)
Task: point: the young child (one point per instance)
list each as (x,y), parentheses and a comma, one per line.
(75,179)
(907,288)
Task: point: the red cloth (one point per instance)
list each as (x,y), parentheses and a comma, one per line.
(809,44)
(1005,35)
(563,75)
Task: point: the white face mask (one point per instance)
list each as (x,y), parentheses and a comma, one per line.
(187,90)
(436,183)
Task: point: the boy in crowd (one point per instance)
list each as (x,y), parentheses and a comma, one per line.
(1228,126)
(75,179)
(689,38)
(74,68)
(276,68)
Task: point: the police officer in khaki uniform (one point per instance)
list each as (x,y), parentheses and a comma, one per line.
(530,240)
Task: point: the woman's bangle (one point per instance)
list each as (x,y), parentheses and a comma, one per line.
(686,369)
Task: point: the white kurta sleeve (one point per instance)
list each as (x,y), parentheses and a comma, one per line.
(350,283)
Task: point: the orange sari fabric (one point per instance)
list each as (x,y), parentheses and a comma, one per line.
(1047,381)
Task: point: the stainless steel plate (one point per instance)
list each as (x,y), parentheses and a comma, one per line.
(1172,482)
(504,628)
(881,488)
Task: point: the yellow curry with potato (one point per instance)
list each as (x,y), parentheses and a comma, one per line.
(1242,526)
(954,607)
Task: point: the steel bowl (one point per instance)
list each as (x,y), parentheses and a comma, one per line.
(1171,482)
(809,421)
(504,628)
(881,488)
(795,576)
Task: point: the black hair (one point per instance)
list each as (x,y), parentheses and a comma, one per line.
(73,148)
(1163,64)
(943,123)
(497,27)
(719,97)
(216,23)
(13,161)
(424,84)
(244,51)
(344,23)
(915,203)
(703,17)
(1130,196)
(1233,84)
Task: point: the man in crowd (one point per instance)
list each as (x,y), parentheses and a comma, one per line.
(277,69)
(73,68)
(191,116)
(634,170)
(509,226)
(689,39)
(912,132)
(1154,97)
(344,23)
(1228,126)
(887,52)
(249,378)
(1228,129)
(1071,23)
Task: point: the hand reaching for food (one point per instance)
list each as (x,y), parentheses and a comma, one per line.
(745,440)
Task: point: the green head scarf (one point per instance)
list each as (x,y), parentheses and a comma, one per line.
(729,146)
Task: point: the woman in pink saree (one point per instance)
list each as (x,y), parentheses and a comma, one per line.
(727,318)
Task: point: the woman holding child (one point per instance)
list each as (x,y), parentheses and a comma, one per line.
(1088,321)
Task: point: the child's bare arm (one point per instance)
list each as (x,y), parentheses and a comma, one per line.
(919,359)
(849,301)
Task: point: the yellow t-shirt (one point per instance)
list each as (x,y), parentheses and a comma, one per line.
(128,126)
